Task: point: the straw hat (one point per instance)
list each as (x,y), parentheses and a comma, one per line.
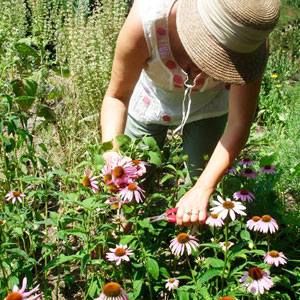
(227,38)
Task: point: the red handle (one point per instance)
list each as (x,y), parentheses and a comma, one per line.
(172,210)
(171,218)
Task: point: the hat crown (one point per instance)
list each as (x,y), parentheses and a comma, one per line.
(257,14)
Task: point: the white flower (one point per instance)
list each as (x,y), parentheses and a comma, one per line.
(225,207)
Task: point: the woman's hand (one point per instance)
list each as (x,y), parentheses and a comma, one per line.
(110,156)
(192,207)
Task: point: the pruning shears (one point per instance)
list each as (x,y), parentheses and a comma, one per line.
(169,216)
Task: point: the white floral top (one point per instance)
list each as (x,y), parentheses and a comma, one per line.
(158,94)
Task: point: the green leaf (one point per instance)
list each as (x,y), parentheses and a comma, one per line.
(123,139)
(26,50)
(137,287)
(151,143)
(54,216)
(267,160)
(183,294)
(154,158)
(30,87)
(107,146)
(63,71)
(45,112)
(204,292)
(126,239)
(54,93)
(245,235)
(43,162)
(13,280)
(24,102)
(214,262)
(152,267)
(60,260)
(166,177)
(209,274)
(93,289)
(84,262)
(164,272)
(18,252)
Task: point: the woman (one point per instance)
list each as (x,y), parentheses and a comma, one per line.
(173,63)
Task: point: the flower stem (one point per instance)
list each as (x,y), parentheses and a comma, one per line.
(190,266)
(143,252)
(225,259)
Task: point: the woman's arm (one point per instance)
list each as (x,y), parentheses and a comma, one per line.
(130,58)
(242,107)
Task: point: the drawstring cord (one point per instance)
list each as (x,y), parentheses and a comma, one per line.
(187,95)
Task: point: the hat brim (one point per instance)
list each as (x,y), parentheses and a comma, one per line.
(209,55)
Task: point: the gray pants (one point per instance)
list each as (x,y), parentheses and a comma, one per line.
(199,138)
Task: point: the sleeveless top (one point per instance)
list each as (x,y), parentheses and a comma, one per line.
(158,97)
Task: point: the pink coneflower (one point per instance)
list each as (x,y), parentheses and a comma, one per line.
(268,169)
(20,294)
(119,253)
(112,291)
(246,162)
(172,283)
(223,208)
(114,202)
(89,181)
(244,195)
(249,173)
(14,195)
(275,258)
(223,245)
(231,170)
(214,220)
(183,242)
(267,224)
(140,167)
(252,223)
(256,281)
(131,190)
(227,298)
(106,174)
(123,168)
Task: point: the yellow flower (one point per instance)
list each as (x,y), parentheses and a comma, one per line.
(278,85)
(274,76)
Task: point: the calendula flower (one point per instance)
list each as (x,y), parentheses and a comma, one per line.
(225,245)
(171,283)
(14,196)
(249,173)
(252,223)
(112,291)
(183,242)
(278,85)
(121,252)
(89,181)
(20,294)
(274,76)
(214,220)
(268,169)
(267,224)
(130,191)
(243,195)
(225,207)
(231,170)
(246,162)
(275,258)
(257,281)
